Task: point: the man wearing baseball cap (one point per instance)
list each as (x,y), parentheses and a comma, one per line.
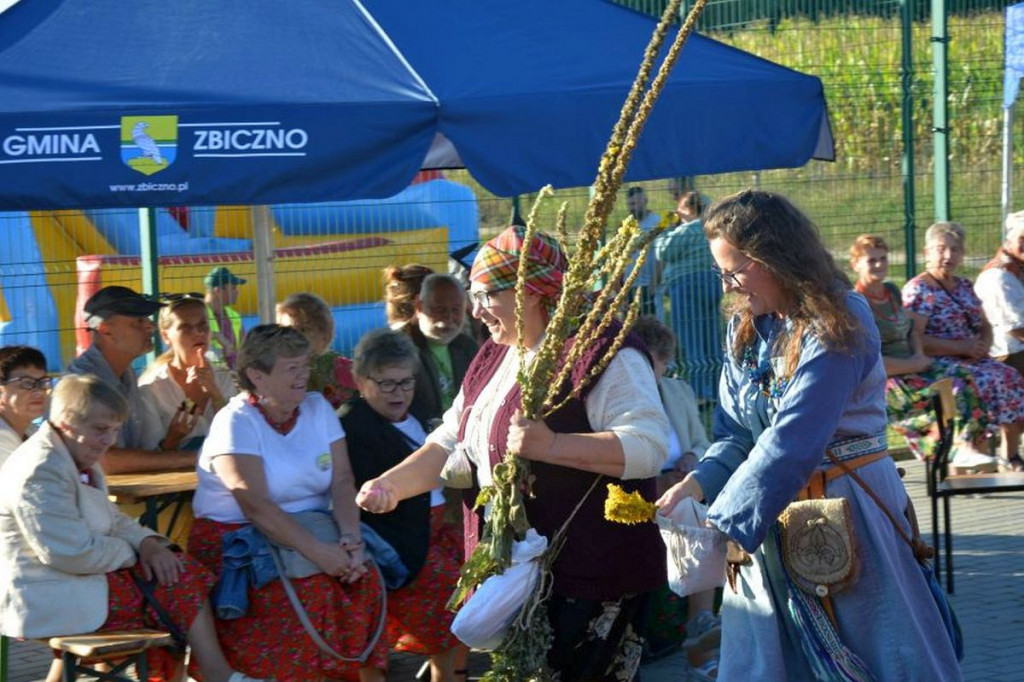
(122,330)
(226,330)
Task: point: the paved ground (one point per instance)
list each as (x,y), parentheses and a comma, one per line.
(989,599)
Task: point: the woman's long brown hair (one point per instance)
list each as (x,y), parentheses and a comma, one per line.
(772,231)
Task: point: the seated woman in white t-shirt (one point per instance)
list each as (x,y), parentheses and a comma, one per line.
(381,432)
(273,450)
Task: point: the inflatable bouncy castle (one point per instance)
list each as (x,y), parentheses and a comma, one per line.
(56,260)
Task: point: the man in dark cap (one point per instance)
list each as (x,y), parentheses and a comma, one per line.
(122,330)
(226,330)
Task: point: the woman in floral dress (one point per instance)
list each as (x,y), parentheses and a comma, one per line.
(955,329)
(911,373)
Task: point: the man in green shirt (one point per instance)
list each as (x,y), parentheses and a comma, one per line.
(445,351)
(226,330)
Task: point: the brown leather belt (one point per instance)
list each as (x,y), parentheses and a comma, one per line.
(815,488)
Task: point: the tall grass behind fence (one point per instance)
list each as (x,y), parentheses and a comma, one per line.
(854,46)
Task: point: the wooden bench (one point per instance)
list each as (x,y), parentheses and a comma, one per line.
(119,648)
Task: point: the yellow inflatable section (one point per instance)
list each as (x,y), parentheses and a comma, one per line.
(343,272)
(63,236)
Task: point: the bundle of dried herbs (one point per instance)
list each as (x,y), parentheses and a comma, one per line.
(585,318)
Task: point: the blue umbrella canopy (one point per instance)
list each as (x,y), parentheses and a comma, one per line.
(147,103)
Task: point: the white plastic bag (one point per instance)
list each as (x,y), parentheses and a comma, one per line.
(457,472)
(484,619)
(695,553)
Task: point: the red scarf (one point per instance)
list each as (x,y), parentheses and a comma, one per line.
(284,427)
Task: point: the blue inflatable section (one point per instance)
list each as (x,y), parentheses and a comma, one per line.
(121,229)
(29,301)
(424,205)
(34,312)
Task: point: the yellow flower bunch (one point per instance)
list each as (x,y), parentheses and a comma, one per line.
(630,509)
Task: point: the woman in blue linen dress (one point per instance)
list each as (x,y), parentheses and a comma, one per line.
(804,373)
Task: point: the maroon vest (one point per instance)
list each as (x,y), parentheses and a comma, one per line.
(600,560)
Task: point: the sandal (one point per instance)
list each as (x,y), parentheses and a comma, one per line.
(703,632)
(705,672)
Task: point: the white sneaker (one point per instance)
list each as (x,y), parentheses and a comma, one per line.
(966,457)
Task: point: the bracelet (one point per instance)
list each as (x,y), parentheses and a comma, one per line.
(346,543)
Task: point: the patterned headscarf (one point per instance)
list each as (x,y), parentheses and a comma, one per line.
(497,263)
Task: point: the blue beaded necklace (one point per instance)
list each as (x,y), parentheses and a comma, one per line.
(762,374)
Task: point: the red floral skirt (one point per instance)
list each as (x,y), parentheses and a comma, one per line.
(269,641)
(126,609)
(418,621)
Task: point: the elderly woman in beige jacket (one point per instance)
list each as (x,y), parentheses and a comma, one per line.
(70,562)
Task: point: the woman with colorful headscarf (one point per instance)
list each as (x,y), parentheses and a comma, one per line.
(613,426)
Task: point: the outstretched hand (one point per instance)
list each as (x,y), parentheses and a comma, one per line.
(377,496)
(688,487)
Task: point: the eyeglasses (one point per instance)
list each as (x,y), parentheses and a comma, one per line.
(389,385)
(730,277)
(31,384)
(485,299)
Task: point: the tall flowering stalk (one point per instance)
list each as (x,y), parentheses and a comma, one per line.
(521,657)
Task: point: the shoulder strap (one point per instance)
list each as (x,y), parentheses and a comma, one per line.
(300,611)
(146,588)
(921,550)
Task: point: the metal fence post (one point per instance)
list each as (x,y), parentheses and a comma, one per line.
(263,255)
(940,116)
(907,112)
(1006,190)
(149,255)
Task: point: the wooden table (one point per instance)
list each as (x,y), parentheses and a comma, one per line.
(158,490)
